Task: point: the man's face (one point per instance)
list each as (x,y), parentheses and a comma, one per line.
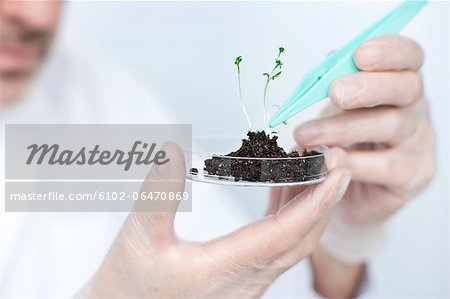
(26,32)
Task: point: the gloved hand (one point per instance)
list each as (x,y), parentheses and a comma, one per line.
(380,118)
(148,260)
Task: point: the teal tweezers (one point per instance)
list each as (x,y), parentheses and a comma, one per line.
(315,85)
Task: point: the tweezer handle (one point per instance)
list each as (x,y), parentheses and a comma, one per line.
(314,89)
(391,23)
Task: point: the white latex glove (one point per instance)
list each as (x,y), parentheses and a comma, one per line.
(148,260)
(380,118)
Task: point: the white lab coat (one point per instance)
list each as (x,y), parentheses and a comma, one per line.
(52,255)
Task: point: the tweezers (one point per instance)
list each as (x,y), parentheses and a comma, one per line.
(316,84)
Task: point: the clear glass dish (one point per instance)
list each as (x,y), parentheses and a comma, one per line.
(210,165)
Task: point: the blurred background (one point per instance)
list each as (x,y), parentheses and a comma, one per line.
(185,51)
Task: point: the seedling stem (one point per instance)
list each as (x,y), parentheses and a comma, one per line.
(237,62)
(276,72)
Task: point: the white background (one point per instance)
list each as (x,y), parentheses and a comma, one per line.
(186,52)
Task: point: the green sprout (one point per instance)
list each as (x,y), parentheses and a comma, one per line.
(237,62)
(276,72)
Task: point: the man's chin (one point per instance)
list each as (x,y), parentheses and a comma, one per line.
(13,89)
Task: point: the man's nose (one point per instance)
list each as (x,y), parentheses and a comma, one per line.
(11,10)
(28,13)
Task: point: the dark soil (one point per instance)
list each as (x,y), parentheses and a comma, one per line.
(261,145)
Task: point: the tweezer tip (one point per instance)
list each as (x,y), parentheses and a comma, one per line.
(278,118)
(273,123)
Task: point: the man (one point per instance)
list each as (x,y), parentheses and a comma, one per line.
(384,105)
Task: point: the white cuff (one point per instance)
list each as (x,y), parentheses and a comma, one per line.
(353,243)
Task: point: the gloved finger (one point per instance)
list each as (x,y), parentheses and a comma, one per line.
(371,89)
(274,235)
(154,218)
(405,169)
(375,125)
(383,167)
(307,245)
(335,157)
(274,200)
(389,53)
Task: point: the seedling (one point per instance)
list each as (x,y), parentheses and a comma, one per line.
(237,62)
(260,159)
(276,72)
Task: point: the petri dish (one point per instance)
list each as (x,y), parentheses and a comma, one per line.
(210,165)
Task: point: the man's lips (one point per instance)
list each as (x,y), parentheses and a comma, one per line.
(18,55)
(19,51)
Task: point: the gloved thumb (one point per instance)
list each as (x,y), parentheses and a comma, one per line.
(159,197)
